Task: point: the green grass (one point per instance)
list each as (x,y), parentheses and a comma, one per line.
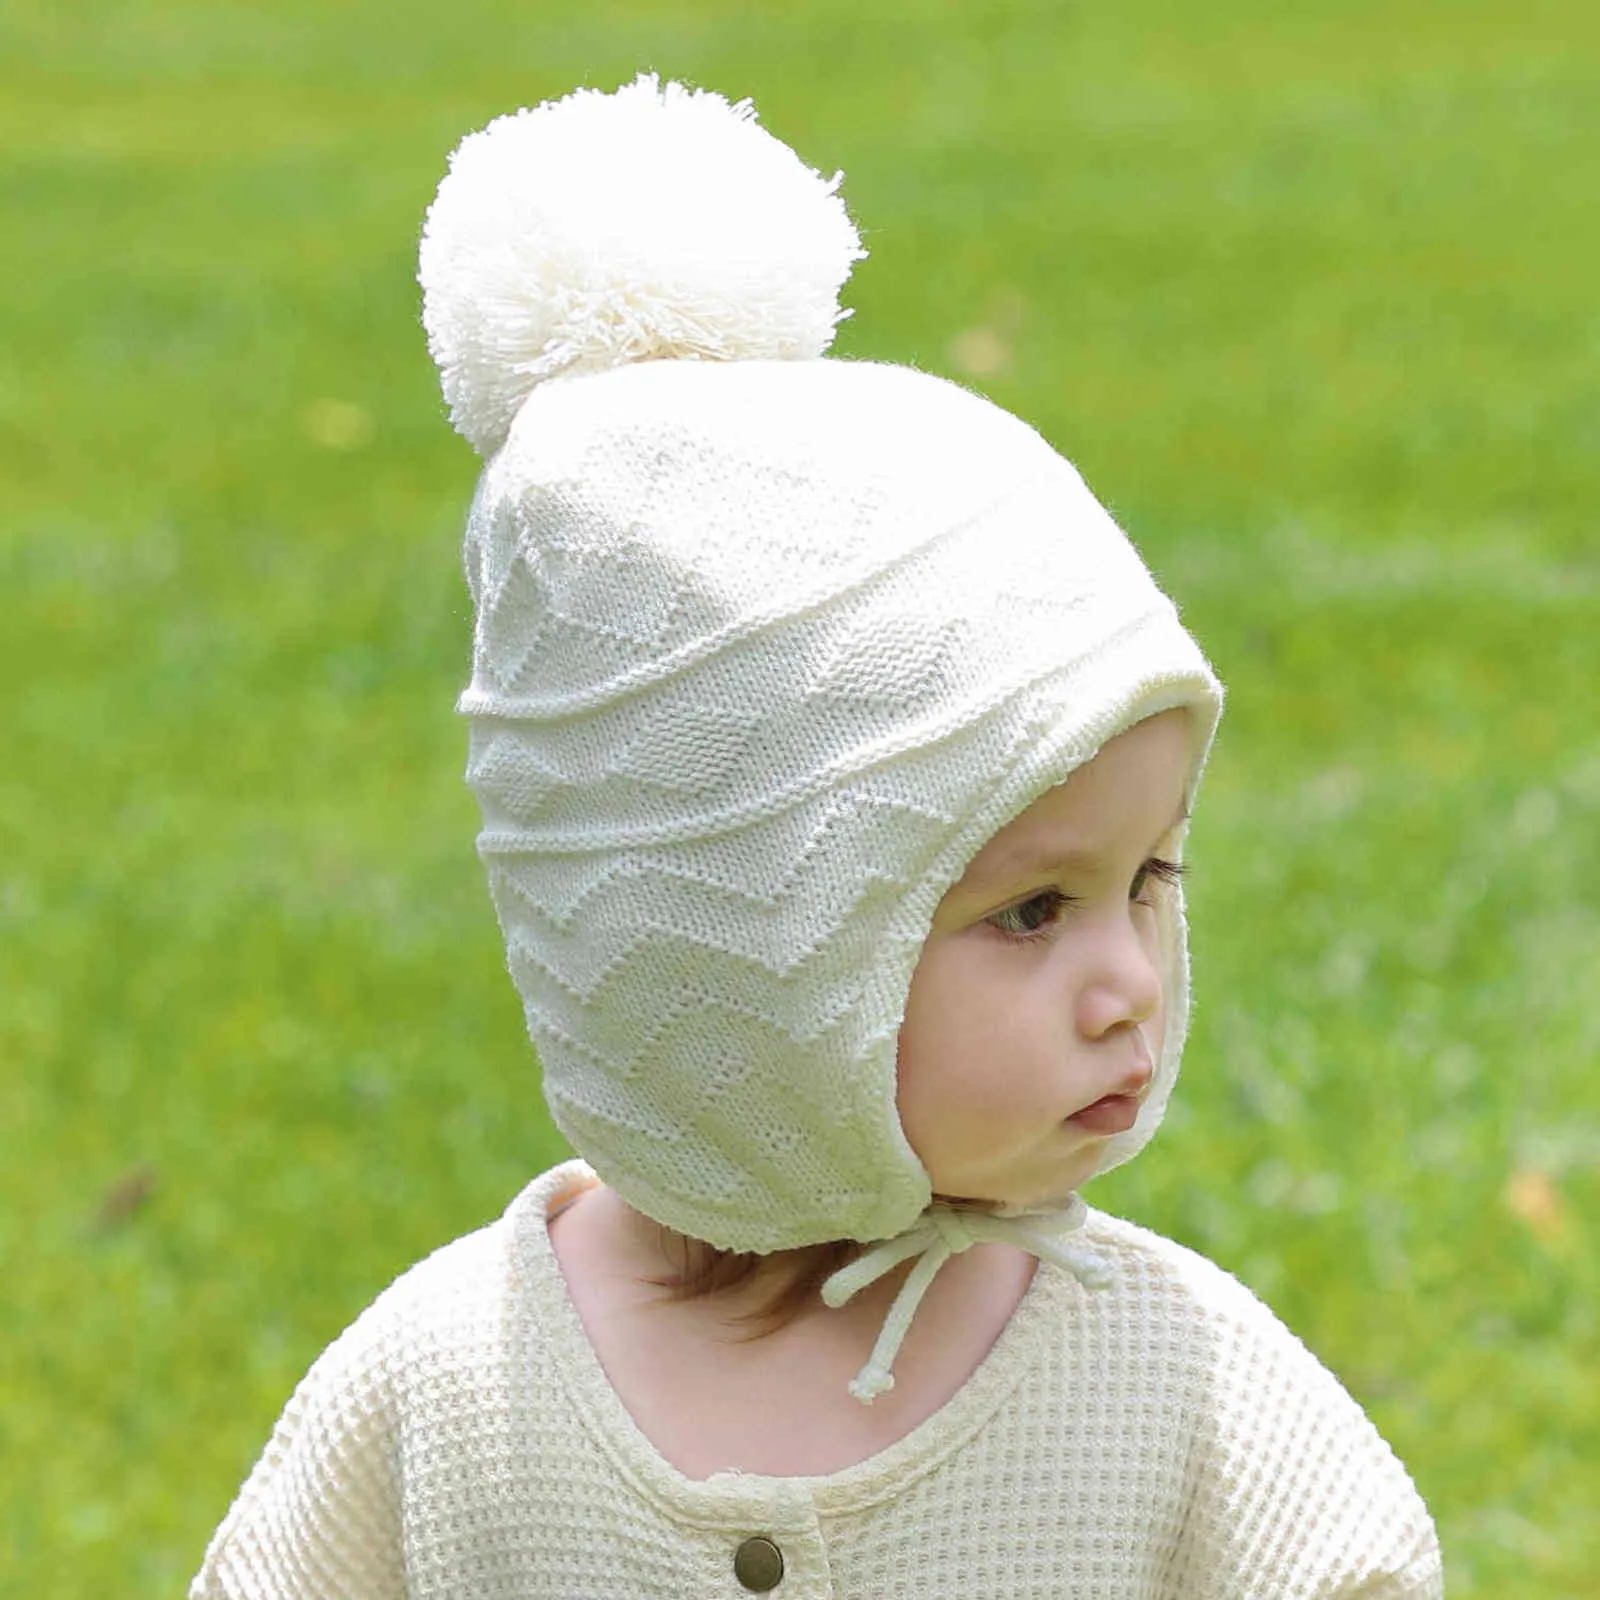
(1306,292)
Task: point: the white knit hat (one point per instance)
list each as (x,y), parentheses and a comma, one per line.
(767,647)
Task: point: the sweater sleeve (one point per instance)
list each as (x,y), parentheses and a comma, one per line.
(319,1516)
(1292,1493)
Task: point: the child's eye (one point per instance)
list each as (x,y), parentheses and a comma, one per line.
(1155,870)
(1029,916)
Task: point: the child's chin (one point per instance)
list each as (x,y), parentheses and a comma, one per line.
(1053,1196)
(1050,1186)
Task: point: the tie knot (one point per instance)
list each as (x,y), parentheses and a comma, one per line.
(952,1227)
(941,1232)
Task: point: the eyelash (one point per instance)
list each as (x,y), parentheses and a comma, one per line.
(1161,871)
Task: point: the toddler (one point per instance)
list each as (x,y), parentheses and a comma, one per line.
(834,750)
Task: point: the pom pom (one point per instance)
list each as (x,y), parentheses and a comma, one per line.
(608,228)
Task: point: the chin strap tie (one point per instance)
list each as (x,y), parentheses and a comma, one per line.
(943,1231)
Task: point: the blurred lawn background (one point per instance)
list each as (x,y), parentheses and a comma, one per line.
(1309,295)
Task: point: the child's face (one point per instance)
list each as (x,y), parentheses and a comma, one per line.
(1038,992)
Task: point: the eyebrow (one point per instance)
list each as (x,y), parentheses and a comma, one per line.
(1020,866)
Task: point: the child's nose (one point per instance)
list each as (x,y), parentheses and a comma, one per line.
(1124,984)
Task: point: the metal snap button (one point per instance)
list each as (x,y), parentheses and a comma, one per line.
(758,1565)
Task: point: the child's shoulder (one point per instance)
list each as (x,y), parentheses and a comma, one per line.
(438,1325)
(1214,1324)
(1148,1262)
(466,1283)
(1279,1453)
(411,1393)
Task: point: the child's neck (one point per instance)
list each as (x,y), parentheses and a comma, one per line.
(693,1379)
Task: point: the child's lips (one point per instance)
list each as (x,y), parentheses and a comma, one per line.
(1118,1111)
(1112,1113)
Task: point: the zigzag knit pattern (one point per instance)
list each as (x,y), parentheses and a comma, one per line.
(764,653)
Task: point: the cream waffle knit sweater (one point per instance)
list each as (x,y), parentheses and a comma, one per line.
(1165,1436)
